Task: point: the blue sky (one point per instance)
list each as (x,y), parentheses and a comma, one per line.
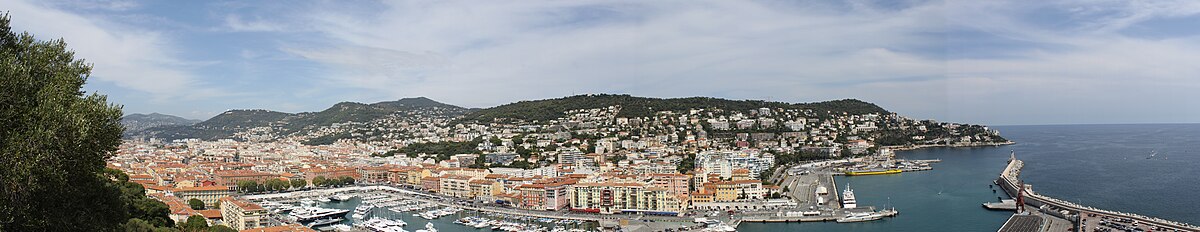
(989,62)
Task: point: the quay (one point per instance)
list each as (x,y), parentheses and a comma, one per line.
(1082,218)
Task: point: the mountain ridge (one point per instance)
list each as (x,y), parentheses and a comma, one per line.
(229,123)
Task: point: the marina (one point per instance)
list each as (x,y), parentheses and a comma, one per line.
(386,209)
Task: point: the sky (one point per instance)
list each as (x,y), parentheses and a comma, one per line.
(980,62)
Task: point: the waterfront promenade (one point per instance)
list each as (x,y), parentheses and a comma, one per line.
(1009,181)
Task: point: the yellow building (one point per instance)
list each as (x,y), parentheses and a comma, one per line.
(738,190)
(415,175)
(485,190)
(620,197)
(455,186)
(210,195)
(243,215)
(740,174)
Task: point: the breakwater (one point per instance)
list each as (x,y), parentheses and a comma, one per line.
(1010,182)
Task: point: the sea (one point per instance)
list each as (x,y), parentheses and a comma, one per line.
(1104,166)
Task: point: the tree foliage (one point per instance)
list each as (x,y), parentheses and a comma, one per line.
(687,164)
(54,142)
(632,106)
(195,223)
(196,204)
(443,150)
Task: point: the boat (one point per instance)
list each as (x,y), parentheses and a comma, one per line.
(428,228)
(1005,204)
(340,227)
(341,197)
(323,221)
(384,225)
(1152,154)
(848,200)
(361,211)
(861,217)
(312,214)
(872,172)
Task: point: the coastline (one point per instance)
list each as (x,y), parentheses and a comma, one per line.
(970,144)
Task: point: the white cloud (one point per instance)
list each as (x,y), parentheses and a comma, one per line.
(236,23)
(502,52)
(127,57)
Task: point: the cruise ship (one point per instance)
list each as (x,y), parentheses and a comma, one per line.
(848,198)
(307,215)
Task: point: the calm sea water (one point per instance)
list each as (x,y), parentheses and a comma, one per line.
(1105,166)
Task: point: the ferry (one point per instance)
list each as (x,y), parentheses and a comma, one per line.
(848,201)
(872,172)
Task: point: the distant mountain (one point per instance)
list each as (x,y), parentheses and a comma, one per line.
(135,123)
(632,106)
(414,103)
(231,122)
(359,112)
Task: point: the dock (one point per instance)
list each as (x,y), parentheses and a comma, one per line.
(1006,204)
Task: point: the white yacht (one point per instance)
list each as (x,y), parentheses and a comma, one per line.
(848,201)
(362,211)
(428,228)
(861,217)
(313,214)
(341,197)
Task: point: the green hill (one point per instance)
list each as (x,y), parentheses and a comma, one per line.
(632,106)
(230,122)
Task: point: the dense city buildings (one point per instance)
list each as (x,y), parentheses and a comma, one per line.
(586,160)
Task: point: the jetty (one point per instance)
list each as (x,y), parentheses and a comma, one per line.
(1081,218)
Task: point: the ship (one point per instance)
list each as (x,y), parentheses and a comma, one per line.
(305,215)
(872,172)
(848,201)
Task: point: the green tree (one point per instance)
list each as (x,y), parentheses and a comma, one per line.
(346,180)
(319,181)
(195,223)
(276,184)
(247,186)
(196,204)
(221,228)
(54,141)
(137,225)
(687,164)
(299,183)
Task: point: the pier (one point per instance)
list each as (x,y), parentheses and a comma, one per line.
(1077,214)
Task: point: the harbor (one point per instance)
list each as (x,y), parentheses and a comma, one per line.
(1037,212)
(384,208)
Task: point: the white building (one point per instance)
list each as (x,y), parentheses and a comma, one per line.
(724,162)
